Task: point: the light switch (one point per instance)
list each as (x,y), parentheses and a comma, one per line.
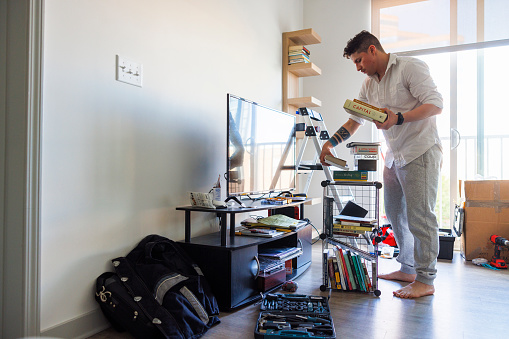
(129,71)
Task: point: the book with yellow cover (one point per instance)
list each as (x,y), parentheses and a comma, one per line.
(364,110)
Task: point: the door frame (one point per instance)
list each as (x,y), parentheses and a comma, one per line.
(21,46)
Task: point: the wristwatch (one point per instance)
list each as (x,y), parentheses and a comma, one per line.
(400,118)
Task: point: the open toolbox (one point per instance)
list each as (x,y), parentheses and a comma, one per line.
(294,316)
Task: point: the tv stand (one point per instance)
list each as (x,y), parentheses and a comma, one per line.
(230,263)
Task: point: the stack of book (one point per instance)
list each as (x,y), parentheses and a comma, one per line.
(298,54)
(352,226)
(346,270)
(365,155)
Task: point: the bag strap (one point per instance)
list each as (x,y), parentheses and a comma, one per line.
(159,316)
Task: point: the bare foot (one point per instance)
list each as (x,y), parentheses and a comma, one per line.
(398,275)
(414,290)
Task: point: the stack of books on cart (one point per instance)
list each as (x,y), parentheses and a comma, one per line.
(352,226)
(346,270)
(365,155)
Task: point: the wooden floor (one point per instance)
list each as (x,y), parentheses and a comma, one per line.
(470,302)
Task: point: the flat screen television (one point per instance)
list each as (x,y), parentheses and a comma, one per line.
(260,149)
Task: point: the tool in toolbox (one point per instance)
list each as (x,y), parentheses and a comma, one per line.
(294,316)
(496,261)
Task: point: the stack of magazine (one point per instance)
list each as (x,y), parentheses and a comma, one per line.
(279,253)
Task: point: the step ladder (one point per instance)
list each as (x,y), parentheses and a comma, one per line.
(314,123)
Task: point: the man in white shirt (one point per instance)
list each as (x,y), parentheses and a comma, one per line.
(404,88)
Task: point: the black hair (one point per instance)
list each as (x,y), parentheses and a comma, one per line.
(361,43)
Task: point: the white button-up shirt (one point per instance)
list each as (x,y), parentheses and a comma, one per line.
(406,85)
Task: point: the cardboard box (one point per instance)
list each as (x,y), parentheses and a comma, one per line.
(486,213)
(486,190)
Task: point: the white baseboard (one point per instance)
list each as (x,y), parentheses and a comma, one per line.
(79,328)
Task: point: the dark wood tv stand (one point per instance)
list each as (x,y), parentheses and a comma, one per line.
(230,263)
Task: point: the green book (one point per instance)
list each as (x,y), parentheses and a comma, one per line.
(350,175)
(360,272)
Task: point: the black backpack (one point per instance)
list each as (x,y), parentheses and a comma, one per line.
(157,291)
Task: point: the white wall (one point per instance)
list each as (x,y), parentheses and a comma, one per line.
(336,22)
(117,159)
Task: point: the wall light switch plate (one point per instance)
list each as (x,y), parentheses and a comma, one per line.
(129,71)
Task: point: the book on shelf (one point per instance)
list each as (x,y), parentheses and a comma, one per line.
(360,220)
(342,276)
(364,110)
(329,268)
(348,232)
(366,275)
(349,268)
(350,175)
(298,61)
(350,223)
(346,223)
(369,156)
(298,57)
(341,227)
(354,271)
(359,271)
(365,165)
(371,150)
(301,51)
(300,48)
(298,53)
(333,161)
(337,274)
(348,284)
(363,143)
(368,278)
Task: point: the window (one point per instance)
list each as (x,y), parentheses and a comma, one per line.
(463,42)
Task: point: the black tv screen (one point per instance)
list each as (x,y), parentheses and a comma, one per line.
(260,150)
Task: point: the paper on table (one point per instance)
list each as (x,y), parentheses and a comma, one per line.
(279,220)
